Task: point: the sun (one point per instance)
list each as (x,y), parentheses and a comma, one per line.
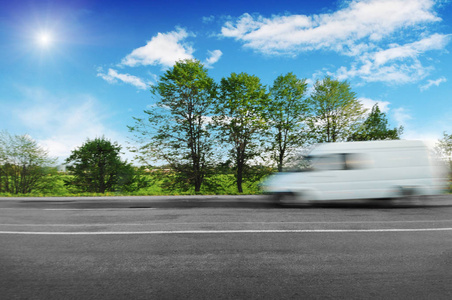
(44,39)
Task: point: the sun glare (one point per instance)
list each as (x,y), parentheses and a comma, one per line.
(44,39)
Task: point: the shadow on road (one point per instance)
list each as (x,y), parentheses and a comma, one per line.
(254,202)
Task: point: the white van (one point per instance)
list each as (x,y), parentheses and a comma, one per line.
(361,170)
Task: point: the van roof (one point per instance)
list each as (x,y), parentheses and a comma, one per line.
(367,145)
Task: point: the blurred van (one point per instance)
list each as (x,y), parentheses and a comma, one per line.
(361,170)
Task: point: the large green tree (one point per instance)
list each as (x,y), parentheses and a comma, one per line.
(22,163)
(375,127)
(176,129)
(97,167)
(241,110)
(286,114)
(336,112)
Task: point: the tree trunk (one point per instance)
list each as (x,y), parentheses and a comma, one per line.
(239,178)
(239,171)
(198,182)
(280,161)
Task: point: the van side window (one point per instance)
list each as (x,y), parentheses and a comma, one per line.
(356,161)
(340,161)
(328,162)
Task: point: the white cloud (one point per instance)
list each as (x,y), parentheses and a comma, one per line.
(411,50)
(341,31)
(163,49)
(364,30)
(209,19)
(112,76)
(62,123)
(397,64)
(401,116)
(395,73)
(369,103)
(214,56)
(431,83)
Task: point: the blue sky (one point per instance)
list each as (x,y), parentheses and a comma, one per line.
(73,70)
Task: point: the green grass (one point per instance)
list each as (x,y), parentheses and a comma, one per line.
(220,184)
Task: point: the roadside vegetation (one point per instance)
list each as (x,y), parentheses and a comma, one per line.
(155,182)
(203,137)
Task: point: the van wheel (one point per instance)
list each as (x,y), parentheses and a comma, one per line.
(407,196)
(283,199)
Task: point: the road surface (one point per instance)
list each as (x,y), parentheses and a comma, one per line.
(223,247)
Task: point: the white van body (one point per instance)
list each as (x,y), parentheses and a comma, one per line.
(362,170)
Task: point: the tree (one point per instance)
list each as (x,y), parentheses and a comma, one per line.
(176,129)
(336,112)
(287,111)
(22,163)
(97,167)
(240,118)
(444,149)
(375,127)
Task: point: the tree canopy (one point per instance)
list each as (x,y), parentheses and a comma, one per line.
(22,163)
(176,127)
(240,117)
(376,127)
(287,112)
(197,127)
(335,111)
(444,149)
(97,167)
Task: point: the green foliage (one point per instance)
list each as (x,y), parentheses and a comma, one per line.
(176,129)
(286,112)
(97,167)
(211,138)
(52,183)
(158,182)
(22,164)
(444,149)
(336,112)
(375,127)
(240,119)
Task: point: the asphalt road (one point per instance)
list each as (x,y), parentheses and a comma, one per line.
(223,248)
